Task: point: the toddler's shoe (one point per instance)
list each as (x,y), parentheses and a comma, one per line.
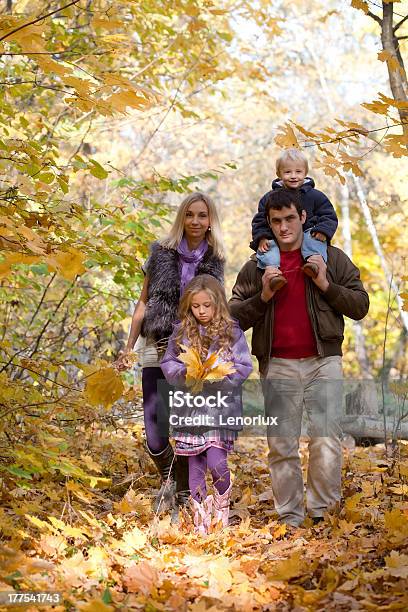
(310,269)
(277,282)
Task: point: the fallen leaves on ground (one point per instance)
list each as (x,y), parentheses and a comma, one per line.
(106,550)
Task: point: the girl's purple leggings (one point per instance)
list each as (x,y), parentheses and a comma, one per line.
(215,460)
(151,405)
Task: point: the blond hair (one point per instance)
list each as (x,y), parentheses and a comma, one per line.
(213,235)
(291,154)
(221,326)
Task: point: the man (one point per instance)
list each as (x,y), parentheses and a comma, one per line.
(297,337)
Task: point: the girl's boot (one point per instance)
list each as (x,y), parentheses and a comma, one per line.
(202,514)
(221,506)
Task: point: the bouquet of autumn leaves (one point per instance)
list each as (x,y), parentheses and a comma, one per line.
(198,372)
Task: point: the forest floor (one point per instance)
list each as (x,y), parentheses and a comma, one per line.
(103,548)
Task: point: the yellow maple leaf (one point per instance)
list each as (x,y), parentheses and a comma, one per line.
(104,387)
(396,523)
(219,577)
(391,60)
(287,138)
(289,568)
(397,564)
(280,531)
(121,100)
(91,464)
(96,605)
(194,367)
(396,144)
(360,4)
(68,263)
(41,524)
(197,371)
(220,371)
(140,577)
(380,108)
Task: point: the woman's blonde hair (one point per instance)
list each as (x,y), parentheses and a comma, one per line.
(213,235)
(291,154)
(221,326)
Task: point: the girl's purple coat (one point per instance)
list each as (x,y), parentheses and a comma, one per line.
(175,370)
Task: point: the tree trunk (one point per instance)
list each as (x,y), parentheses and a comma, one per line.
(359,340)
(397,76)
(378,249)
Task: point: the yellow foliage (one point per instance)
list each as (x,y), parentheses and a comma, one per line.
(16,258)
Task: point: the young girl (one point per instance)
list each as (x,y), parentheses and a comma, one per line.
(206,326)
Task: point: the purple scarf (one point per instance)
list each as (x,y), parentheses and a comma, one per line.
(189,261)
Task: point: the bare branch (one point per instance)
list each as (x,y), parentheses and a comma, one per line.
(43,330)
(399,24)
(41,300)
(375,17)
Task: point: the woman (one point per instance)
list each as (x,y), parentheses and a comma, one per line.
(193,246)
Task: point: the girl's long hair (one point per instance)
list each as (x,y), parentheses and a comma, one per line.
(221,326)
(213,236)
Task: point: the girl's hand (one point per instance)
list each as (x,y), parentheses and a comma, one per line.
(263,245)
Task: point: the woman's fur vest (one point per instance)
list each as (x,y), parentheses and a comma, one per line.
(164,288)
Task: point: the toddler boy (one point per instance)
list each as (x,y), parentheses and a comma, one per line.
(319,227)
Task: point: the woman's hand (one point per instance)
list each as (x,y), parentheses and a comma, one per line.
(124,361)
(126,358)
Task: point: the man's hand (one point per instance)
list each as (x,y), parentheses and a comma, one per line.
(270,273)
(263,245)
(321,278)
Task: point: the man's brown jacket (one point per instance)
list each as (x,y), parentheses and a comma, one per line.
(344,296)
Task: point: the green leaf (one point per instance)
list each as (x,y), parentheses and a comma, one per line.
(19,472)
(63,184)
(39,269)
(97,170)
(46,177)
(107,597)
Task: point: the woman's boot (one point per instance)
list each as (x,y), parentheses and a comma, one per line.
(182,486)
(221,506)
(165,463)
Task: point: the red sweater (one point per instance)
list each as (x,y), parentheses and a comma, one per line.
(293,336)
